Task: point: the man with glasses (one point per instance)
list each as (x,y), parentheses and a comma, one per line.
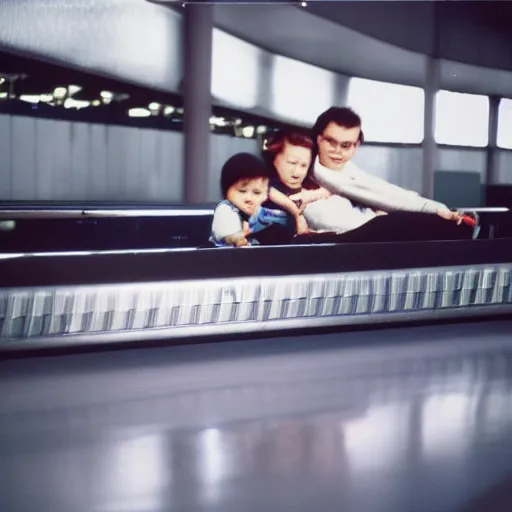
(358,198)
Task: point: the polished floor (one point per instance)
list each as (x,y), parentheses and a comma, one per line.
(412,419)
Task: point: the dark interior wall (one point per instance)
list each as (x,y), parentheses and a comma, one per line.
(405,24)
(475,33)
(499,195)
(479,36)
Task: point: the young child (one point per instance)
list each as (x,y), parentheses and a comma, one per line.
(245,187)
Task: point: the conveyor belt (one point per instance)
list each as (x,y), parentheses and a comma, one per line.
(398,420)
(61,315)
(114,296)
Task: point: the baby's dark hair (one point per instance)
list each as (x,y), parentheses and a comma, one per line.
(242,166)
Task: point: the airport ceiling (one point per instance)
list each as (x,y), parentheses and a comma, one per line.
(385,40)
(383,17)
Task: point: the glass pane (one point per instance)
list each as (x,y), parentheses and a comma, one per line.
(505,124)
(235,70)
(462,119)
(389,112)
(300,92)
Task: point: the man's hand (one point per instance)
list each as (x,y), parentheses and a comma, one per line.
(449,215)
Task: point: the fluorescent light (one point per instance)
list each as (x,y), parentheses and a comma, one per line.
(30,98)
(106,96)
(139,112)
(73,89)
(78,104)
(60,93)
(248,131)
(218,121)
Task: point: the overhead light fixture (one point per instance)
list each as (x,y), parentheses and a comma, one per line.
(304,4)
(248,131)
(30,98)
(261,130)
(106,96)
(60,93)
(139,112)
(3,95)
(96,103)
(154,107)
(218,121)
(169,110)
(78,104)
(46,98)
(73,89)
(2,80)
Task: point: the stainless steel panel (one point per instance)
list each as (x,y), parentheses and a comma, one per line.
(80,161)
(457,159)
(504,164)
(43,159)
(401,166)
(123,162)
(97,184)
(23,158)
(53,156)
(5,157)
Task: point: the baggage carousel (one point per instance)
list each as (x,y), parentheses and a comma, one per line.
(298,377)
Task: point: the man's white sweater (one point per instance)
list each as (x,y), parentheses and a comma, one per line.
(356,196)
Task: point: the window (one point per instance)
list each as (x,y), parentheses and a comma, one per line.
(300,92)
(462,119)
(505,124)
(389,112)
(235,70)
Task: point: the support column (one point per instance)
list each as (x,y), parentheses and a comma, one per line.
(429,141)
(491,168)
(197,39)
(341,90)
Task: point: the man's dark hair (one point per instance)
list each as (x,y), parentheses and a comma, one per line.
(342,116)
(242,166)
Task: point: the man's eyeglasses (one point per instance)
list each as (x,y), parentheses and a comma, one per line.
(334,144)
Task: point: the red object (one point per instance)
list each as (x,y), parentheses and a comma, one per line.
(469,221)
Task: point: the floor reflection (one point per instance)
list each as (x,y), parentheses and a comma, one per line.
(426,436)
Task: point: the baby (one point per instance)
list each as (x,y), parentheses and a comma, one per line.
(245,187)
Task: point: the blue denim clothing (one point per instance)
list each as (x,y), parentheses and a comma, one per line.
(261,220)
